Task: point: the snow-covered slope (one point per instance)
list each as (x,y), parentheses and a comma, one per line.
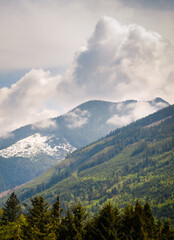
(36,144)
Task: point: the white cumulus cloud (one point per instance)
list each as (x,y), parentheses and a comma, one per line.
(26,101)
(121,62)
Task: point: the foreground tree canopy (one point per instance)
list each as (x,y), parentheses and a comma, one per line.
(51,223)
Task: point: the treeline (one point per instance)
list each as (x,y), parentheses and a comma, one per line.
(39,221)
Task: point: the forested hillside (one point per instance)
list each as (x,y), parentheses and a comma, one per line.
(39,221)
(134,162)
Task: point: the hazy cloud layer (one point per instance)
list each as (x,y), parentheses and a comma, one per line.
(76,118)
(46,33)
(7,134)
(44,124)
(43,33)
(152,4)
(133,112)
(26,101)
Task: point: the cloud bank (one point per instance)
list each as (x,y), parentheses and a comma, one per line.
(27,100)
(119,62)
(132,112)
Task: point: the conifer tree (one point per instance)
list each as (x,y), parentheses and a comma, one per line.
(11,210)
(138,223)
(149,222)
(126,225)
(167,232)
(80,215)
(90,229)
(73,225)
(56,212)
(106,223)
(38,220)
(158,232)
(68,230)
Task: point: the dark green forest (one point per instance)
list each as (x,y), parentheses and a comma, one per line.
(38,220)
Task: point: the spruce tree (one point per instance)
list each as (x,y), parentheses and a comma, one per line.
(106,223)
(167,231)
(79,213)
(56,212)
(73,224)
(127,223)
(138,223)
(38,219)
(68,229)
(11,210)
(149,222)
(158,232)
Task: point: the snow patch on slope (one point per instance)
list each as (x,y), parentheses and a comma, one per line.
(33,145)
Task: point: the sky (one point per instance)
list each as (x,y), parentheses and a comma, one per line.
(57,54)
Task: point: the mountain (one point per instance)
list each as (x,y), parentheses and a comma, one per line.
(135,161)
(32,149)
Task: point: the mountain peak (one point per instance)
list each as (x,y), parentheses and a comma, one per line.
(158,99)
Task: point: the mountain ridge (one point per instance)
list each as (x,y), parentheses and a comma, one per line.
(39,146)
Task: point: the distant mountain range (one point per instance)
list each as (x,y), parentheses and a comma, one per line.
(133,162)
(32,149)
